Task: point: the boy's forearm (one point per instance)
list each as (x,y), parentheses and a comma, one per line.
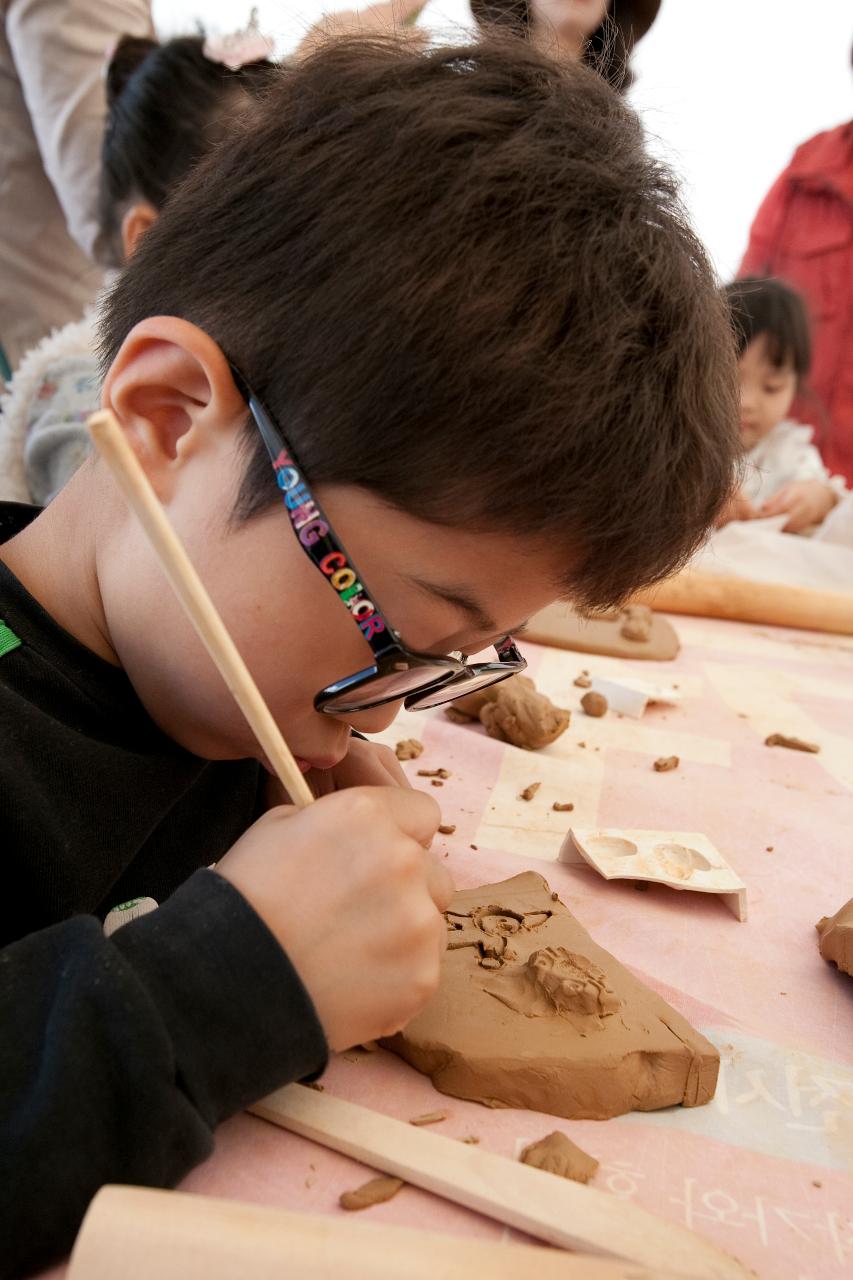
(119,1057)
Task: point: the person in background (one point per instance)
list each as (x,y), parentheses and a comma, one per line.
(784,473)
(803,233)
(600,33)
(52,112)
(168,104)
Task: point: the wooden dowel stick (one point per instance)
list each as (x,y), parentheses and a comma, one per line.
(712,595)
(189,589)
(562,1212)
(140,1234)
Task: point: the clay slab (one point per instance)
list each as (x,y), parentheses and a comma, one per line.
(560,626)
(680,859)
(530,1012)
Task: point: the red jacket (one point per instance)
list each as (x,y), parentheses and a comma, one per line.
(803,233)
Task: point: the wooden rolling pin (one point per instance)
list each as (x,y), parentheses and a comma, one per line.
(711,595)
(140,1234)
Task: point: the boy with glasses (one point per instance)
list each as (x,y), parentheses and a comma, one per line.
(424,345)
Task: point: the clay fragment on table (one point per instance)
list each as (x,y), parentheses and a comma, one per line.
(514,711)
(433,773)
(409,749)
(664,764)
(431,1117)
(376,1191)
(836,938)
(529,792)
(559,807)
(793,744)
(446,829)
(594,704)
(582,681)
(636,623)
(531,1013)
(558,1154)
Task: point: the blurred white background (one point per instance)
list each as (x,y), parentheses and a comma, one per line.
(727,88)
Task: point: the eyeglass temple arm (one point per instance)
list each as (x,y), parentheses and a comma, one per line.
(316,536)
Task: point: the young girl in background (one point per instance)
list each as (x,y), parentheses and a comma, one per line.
(168,104)
(784,472)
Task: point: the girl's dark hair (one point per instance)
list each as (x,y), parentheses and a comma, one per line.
(769,308)
(457,280)
(167,104)
(607,51)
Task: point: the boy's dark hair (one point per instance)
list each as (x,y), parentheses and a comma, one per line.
(167,105)
(769,308)
(458,280)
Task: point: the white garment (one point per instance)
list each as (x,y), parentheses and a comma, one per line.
(838,525)
(785,456)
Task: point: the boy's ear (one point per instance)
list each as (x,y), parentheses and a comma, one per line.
(171,389)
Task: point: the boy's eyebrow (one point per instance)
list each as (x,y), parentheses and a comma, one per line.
(459,597)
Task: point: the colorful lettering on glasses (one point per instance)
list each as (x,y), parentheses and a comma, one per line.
(310,528)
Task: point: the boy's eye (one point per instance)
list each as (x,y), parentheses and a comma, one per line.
(772,388)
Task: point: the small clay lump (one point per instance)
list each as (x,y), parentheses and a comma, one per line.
(594,704)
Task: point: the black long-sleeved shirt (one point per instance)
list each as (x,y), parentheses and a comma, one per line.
(119,1055)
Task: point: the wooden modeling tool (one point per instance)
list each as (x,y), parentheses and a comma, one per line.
(189,589)
(553,1209)
(141,1234)
(680,859)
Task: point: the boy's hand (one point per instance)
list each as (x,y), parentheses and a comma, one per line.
(352,894)
(738,507)
(806,502)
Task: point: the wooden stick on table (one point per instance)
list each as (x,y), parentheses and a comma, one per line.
(141,1234)
(192,594)
(712,595)
(553,1209)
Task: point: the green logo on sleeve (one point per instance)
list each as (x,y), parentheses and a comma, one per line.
(8,639)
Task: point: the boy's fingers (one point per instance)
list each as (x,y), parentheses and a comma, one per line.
(439,881)
(415,812)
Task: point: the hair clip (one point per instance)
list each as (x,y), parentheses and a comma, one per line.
(241,47)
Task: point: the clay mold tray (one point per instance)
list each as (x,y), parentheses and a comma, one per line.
(680,859)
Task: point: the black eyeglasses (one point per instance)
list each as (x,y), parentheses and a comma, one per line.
(421,680)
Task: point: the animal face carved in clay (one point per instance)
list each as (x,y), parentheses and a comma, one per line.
(555,981)
(487,930)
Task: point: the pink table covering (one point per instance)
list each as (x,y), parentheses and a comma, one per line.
(765,1168)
